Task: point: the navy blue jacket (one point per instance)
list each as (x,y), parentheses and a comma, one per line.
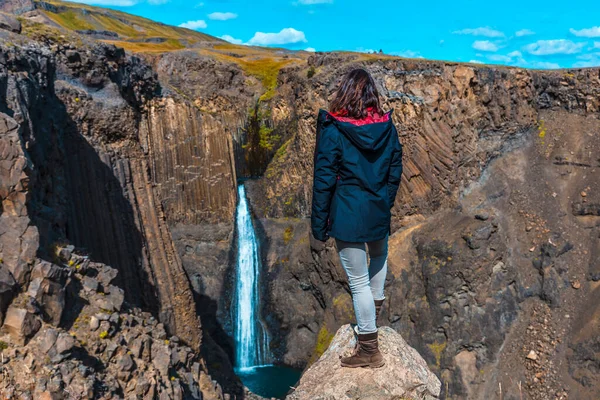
(357,172)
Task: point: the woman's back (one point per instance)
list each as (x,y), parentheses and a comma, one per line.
(361,156)
(358,164)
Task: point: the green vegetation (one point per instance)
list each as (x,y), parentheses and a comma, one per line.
(342,305)
(288,234)
(3,345)
(41,32)
(141,47)
(259,134)
(311,72)
(103,335)
(132,30)
(116,26)
(542,128)
(267,71)
(437,349)
(70,19)
(324,338)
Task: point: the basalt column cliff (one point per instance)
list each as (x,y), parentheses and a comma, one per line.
(122,142)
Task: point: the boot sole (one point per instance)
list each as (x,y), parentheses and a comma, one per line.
(365,365)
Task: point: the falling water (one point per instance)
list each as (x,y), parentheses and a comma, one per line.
(250,336)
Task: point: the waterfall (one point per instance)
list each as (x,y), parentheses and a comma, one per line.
(250,336)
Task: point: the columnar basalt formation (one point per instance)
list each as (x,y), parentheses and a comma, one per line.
(88,179)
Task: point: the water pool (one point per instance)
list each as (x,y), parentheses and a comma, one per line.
(269,380)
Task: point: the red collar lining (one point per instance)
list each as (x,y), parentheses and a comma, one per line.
(371,118)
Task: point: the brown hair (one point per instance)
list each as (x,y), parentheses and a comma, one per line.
(356,93)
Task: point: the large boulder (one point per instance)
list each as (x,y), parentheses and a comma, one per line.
(10,23)
(405,374)
(21,324)
(16,6)
(48,288)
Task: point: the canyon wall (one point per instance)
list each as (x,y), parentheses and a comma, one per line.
(488,233)
(489,162)
(88,177)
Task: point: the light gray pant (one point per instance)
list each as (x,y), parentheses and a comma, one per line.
(366,279)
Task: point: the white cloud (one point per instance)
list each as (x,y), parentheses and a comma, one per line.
(285,36)
(597,45)
(408,54)
(199,5)
(588,60)
(231,39)
(158,2)
(586,64)
(524,32)
(310,49)
(550,47)
(476,62)
(482,31)
(485,45)
(309,2)
(589,32)
(199,24)
(222,16)
(512,58)
(500,58)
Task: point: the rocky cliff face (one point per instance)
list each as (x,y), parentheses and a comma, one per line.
(77,168)
(488,166)
(488,232)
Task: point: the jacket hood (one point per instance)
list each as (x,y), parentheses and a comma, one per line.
(366,136)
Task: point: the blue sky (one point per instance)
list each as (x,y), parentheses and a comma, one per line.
(526,33)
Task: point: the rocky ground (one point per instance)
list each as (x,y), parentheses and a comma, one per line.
(103,349)
(404,375)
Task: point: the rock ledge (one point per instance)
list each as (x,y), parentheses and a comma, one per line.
(404,376)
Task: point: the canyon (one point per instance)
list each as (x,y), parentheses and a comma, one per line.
(130,149)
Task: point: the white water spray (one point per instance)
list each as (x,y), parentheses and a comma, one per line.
(250,336)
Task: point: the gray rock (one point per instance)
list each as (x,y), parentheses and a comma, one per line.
(8,288)
(111,301)
(47,288)
(94,323)
(125,363)
(21,324)
(64,343)
(66,252)
(10,23)
(17,6)
(107,275)
(90,284)
(161,358)
(48,340)
(404,375)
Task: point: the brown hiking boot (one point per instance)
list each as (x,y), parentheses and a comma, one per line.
(366,354)
(378,306)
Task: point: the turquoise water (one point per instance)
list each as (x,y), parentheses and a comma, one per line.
(269,380)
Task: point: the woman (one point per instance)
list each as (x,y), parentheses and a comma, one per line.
(358,164)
